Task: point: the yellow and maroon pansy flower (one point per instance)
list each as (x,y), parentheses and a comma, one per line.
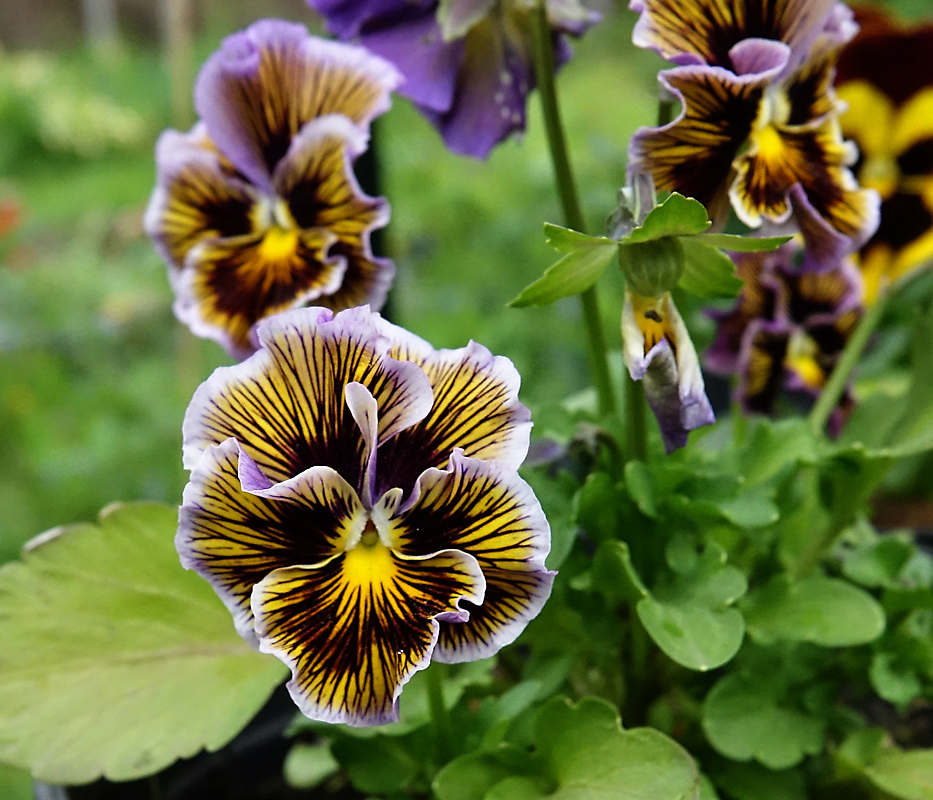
(256,209)
(886,79)
(354,500)
(759,121)
(787,330)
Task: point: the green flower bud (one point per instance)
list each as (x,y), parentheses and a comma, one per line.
(652,268)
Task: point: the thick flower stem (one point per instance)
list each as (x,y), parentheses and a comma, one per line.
(835,386)
(566,188)
(440,719)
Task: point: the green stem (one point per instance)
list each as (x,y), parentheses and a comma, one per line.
(839,378)
(570,202)
(440,719)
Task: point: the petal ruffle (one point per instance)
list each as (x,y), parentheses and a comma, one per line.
(705,31)
(195,197)
(234,529)
(693,154)
(228,285)
(267,82)
(476,408)
(489,512)
(285,405)
(355,628)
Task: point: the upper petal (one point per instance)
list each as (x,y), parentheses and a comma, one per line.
(488,511)
(286,404)
(234,529)
(476,408)
(355,628)
(196,197)
(267,82)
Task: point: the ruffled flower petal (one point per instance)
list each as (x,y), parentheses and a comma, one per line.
(355,628)
(234,528)
(657,350)
(196,197)
(265,83)
(286,406)
(488,511)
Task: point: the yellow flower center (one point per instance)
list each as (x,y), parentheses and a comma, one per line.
(650,314)
(801,358)
(368,564)
(278,244)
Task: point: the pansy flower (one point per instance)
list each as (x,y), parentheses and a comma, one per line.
(658,351)
(468,64)
(354,500)
(886,79)
(759,120)
(257,209)
(788,328)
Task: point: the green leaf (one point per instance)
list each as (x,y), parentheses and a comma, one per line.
(754,509)
(750,781)
(640,487)
(775,446)
(595,507)
(676,216)
(309,765)
(116,661)
(615,575)
(567,240)
(708,272)
(588,756)
(689,618)
(379,764)
(574,273)
(741,244)
(744,719)
(15,784)
(894,681)
(879,564)
(825,611)
(904,774)
(469,777)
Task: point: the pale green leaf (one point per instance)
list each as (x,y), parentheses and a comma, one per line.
(567,240)
(741,244)
(708,272)
(116,661)
(574,273)
(676,216)
(904,774)
(308,765)
(825,611)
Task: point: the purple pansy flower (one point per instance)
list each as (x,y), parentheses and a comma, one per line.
(256,208)
(355,501)
(468,64)
(788,328)
(657,350)
(760,123)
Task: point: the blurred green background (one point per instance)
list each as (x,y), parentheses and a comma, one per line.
(95,373)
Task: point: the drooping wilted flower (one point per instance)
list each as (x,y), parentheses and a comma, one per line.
(468,64)
(788,328)
(658,350)
(354,501)
(256,209)
(759,125)
(886,79)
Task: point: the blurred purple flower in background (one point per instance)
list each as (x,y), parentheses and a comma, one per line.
(468,64)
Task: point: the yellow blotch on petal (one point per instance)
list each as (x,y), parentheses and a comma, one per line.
(801,358)
(370,563)
(278,245)
(653,319)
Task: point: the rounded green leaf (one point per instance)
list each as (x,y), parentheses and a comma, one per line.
(904,774)
(116,661)
(693,636)
(825,611)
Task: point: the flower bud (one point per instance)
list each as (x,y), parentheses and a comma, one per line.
(652,268)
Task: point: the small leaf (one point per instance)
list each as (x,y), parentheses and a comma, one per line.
(309,765)
(676,216)
(567,240)
(469,777)
(904,774)
(376,765)
(753,509)
(741,244)
(108,642)
(743,719)
(708,272)
(641,488)
(825,611)
(588,756)
(573,274)
(750,781)
(894,681)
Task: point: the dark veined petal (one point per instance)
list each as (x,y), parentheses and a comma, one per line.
(476,408)
(229,284)
(693,154)
(286,406)
(355,628)
(366,281)
(267,82)
(705,31)
(234,528)
(761,374)
(817,159)
(657,349)
(819,298)
(488,511)
(195,197)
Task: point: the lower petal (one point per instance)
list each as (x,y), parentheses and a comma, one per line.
(355,628)
(762,376)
